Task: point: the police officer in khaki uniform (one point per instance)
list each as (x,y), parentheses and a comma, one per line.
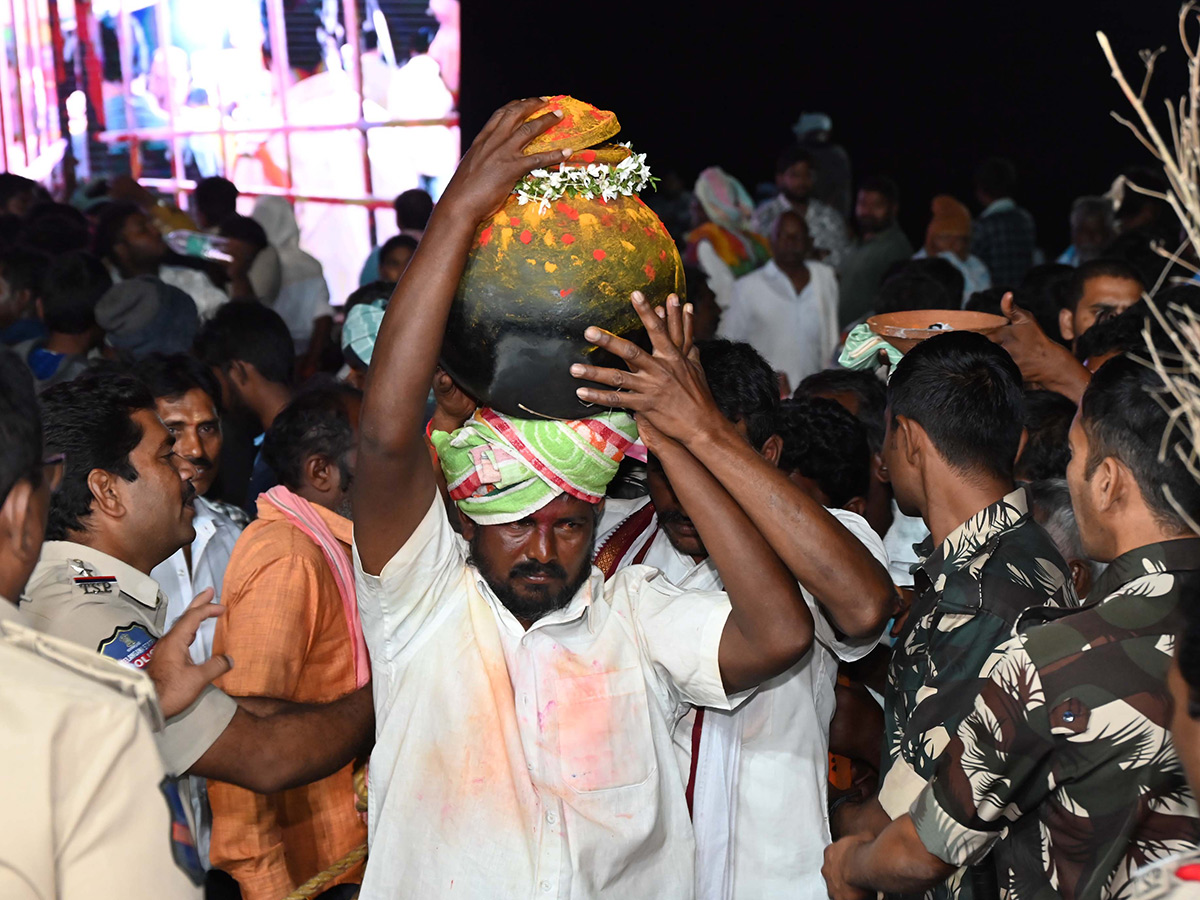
(80,776)
(124,507)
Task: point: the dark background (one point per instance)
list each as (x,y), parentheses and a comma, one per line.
(921,91)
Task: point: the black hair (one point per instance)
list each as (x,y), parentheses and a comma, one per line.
(934,284)
(1043,293)
(413,209)
(996,177)
(1124,413)
(986,301)
(743,385)
(870,391)
(796,153)
(71,287)
(109,225)
(215,198)
(249,333)
(395,242)
(24,269)
(966,393)
(883,185)
(1121,333)
(824,442)
(20,425)
(56,228)
(13,185)
(172,375)
(315,422)
(1105,267)
(90,419)
(1048,417)
(244,228)
(369,293)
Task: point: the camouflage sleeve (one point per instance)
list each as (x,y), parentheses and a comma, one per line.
(995,769)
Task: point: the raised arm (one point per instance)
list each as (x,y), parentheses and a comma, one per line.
(393,484)
(835,567)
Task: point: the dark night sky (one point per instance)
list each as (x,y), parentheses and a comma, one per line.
(919,90)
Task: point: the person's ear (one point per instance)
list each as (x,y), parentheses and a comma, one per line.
(321,472)
(772,450)
(1081,576)
(857,505)
(467,524)
(1066,324)
(1107,486)
(598,509)
(239,372)
(20,526)
(107,492)
(879,469)
(910,439)
(1021,444)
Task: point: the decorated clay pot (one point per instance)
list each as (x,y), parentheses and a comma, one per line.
(540,272)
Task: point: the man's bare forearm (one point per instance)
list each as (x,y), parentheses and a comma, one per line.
(836,568)
(896,862)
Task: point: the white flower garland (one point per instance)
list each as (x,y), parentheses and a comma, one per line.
(607,182)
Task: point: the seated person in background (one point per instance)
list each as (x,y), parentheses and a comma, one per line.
(291,622)
(954,427)
(1098,290)
(303,296)
(787,309)
(21,276)
(1047,421)
(1050,506)
(70,290)
(394,256)
(1062,777)
(247,242)
(1093,226)
(948,236)
(129,244)
(413,209)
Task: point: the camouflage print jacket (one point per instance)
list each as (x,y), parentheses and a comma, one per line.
(1064,769)
(969,594)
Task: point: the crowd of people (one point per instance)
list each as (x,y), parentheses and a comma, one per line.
(284,612)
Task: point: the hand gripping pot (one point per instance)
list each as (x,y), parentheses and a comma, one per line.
(565,252)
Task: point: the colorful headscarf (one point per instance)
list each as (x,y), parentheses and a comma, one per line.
(500,469)
(724,200)
(362,328)
(729,210)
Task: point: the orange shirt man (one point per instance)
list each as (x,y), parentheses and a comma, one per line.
(292,623)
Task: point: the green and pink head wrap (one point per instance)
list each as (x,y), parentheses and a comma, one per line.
(501,469)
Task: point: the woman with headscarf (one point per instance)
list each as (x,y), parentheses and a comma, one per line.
(723,244)
(303,297)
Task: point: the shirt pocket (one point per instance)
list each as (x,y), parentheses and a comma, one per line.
(604,739)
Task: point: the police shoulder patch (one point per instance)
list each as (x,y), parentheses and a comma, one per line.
(183,845)
(131,644)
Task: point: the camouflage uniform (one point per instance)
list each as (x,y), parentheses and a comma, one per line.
(969,594)
(1064,769)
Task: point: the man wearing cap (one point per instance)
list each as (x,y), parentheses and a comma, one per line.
(949,236)
(525,706)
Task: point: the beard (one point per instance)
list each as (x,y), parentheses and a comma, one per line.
(535,600)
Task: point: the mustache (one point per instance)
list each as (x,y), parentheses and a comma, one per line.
(673,517)
(529,567)
(189,492)
(201,462)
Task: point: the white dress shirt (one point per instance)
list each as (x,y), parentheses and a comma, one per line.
(216,534)
(539,763)
(760,803)
(795,331)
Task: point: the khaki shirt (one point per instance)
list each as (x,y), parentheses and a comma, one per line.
(80,777)
(92,599)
